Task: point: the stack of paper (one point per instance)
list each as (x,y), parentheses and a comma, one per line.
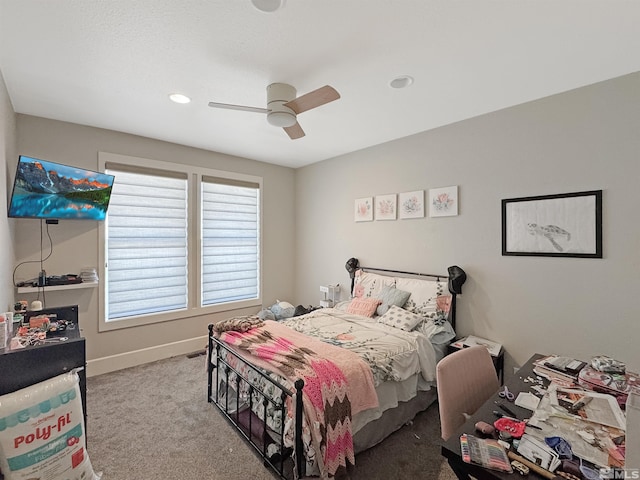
(542,368)
(472,341)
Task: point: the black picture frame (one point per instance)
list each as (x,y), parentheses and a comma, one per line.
(561,225)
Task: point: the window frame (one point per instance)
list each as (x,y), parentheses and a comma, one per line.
(194,244)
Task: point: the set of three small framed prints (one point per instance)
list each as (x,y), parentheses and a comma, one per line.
(442,202)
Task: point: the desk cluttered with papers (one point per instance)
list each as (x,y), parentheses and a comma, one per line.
(557,418)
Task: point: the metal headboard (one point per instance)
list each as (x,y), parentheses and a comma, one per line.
(456,278)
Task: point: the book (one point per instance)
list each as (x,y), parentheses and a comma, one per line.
(556,368)
(566,365)
(486,452)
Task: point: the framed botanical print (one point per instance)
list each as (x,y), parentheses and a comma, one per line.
(411,204)
(385,207)
(363,209)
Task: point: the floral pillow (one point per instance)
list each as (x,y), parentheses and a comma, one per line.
(363,306)
(391,296)
(370,284)
(443,306)
(423,295)
(400,318)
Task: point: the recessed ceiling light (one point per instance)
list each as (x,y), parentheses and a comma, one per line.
(402,81)
(268,6)
(179,98)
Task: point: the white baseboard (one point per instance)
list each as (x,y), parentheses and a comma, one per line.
(112,363)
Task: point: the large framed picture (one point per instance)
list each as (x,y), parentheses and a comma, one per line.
(562,225)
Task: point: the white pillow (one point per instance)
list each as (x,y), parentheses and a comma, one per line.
(423,294)
(370,284)
(400,318)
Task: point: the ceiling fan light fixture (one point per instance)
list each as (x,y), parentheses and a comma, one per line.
(402,81)
(179,98)
(268,6)
(281,119)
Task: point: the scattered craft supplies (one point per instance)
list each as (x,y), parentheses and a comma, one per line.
(605,364)
(42,432)
(617,384)
(594,407)
(594,431)
(539,452)
(485,452)
(527,400)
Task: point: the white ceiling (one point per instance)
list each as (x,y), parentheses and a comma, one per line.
(112,64)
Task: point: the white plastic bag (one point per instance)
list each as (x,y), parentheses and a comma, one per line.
(42,434)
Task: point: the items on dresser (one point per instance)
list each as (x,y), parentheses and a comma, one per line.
(52,354)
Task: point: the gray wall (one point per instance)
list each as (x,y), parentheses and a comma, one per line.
(76,242)
(7,152)
(586,139)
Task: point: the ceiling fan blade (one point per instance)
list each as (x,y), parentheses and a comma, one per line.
(294,131)
(313,99)
(242,108)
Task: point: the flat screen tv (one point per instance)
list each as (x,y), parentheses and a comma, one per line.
(51,190)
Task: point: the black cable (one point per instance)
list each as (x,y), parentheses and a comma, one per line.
(41,274)
(41,261)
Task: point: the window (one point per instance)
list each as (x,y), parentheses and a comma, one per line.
(230,240)
(178,241)
(146,244)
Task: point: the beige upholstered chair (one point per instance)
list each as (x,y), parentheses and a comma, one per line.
(466,379)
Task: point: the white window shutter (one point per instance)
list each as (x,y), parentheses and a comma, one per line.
(146,244)
(230,240)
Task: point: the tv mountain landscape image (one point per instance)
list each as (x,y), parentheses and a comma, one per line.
(49,190)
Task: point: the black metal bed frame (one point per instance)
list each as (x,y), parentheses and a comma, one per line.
(259,442)
(456,278)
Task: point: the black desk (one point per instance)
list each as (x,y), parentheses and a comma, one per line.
(451,448)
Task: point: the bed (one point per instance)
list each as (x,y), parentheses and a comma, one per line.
(311,391)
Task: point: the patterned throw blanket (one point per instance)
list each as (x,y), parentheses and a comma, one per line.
(337,385)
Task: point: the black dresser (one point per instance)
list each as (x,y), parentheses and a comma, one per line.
(23,367)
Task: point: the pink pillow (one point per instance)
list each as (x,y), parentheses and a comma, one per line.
(443,303)
(364,306)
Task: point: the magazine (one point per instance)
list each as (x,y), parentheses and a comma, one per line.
(591,422)
(593,407)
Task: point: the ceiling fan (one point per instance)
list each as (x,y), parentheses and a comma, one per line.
(283,106)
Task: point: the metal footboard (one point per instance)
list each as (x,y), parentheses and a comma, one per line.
(253,429)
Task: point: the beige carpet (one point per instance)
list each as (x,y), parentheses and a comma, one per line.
(153,422)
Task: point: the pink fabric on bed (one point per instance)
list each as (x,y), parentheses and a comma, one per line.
(338,384)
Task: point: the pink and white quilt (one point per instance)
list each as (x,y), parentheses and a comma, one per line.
(338,385)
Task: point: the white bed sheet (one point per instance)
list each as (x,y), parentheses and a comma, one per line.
(392,354)
(389,395)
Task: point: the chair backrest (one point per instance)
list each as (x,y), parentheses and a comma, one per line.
(465,380)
